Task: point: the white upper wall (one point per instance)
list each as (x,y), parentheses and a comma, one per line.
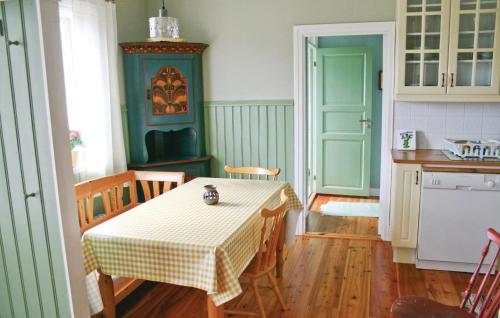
(250,53)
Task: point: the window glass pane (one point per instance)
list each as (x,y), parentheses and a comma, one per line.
(466,31)
(464,69)
(432,29)
(412,69)
(413,32)
(433,5)
(431,69)
(414,6)
(486,30)
(483,68)
(488,4)
(468,4)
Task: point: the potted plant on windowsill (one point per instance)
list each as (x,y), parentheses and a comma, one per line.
(76,143)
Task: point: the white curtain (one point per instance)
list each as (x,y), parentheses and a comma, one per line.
(89,43)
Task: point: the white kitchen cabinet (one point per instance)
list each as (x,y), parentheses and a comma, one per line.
(405,204)
(448,50)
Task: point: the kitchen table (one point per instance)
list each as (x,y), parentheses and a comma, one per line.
(176,238)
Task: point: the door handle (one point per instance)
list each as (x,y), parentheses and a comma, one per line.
(14,43)
(416,182)
(443,80)
(366,121)
(451,79)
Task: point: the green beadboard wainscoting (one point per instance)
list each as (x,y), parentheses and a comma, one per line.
(250,133)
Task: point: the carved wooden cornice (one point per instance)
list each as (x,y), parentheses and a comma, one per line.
(163,48)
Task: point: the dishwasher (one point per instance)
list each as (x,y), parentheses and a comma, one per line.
(456,210)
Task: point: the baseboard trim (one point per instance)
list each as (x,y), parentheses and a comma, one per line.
(342,236)
(374,192)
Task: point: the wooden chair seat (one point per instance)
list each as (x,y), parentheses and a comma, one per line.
(251,271)
(419,307)
(485,301)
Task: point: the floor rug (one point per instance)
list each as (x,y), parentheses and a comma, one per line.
(336,208)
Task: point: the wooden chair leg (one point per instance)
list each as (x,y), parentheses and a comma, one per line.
(108,295)
(255,288)
(277,291)
(213,310)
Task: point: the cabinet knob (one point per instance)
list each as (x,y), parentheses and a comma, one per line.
(14,43)
(30,195)
(451,79)
(443,79)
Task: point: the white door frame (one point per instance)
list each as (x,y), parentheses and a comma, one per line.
(300,34)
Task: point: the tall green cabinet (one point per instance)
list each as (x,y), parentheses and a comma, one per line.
(164,89)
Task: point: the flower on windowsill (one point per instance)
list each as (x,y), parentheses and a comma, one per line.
(75,139)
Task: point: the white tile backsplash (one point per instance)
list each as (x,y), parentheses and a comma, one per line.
(435,121)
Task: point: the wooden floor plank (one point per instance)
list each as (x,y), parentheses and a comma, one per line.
(325,278)
(383,280)
(355,294)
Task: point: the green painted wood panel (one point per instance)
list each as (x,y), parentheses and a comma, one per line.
(343,143)
(250,133)
(32,270)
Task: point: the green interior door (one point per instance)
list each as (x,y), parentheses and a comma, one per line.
(343,113)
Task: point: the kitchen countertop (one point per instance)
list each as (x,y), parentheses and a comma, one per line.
(435,157)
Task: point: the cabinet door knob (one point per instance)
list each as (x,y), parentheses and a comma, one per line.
(416,182)
(451,79)
(30,195)
(14,42)
(443,80)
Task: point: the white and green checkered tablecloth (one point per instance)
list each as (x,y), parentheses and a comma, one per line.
(176,238)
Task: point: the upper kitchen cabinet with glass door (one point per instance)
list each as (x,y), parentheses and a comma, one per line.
(474,64)
(448,50)
(422,46)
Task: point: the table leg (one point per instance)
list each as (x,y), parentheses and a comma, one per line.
(213,310)
(280,261)
(107,295)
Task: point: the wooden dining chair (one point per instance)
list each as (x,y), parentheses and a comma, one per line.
(155,183)
(264,262)
(417,307)
(251,172)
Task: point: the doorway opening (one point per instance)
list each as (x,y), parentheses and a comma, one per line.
(304,35)
(344,107)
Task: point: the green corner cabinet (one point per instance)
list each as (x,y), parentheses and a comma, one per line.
(164,90)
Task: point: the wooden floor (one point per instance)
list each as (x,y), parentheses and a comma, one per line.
(344,225)
(323,278)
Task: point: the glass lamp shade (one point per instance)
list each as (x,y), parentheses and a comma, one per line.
(163,28)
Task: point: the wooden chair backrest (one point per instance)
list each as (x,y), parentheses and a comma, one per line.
(251,172)
(158,181)
(491,296)
(266,256)
(111,190)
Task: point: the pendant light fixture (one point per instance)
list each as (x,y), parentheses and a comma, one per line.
(163,27)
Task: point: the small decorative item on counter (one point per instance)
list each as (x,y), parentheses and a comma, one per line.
(211,196)
(407,140)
